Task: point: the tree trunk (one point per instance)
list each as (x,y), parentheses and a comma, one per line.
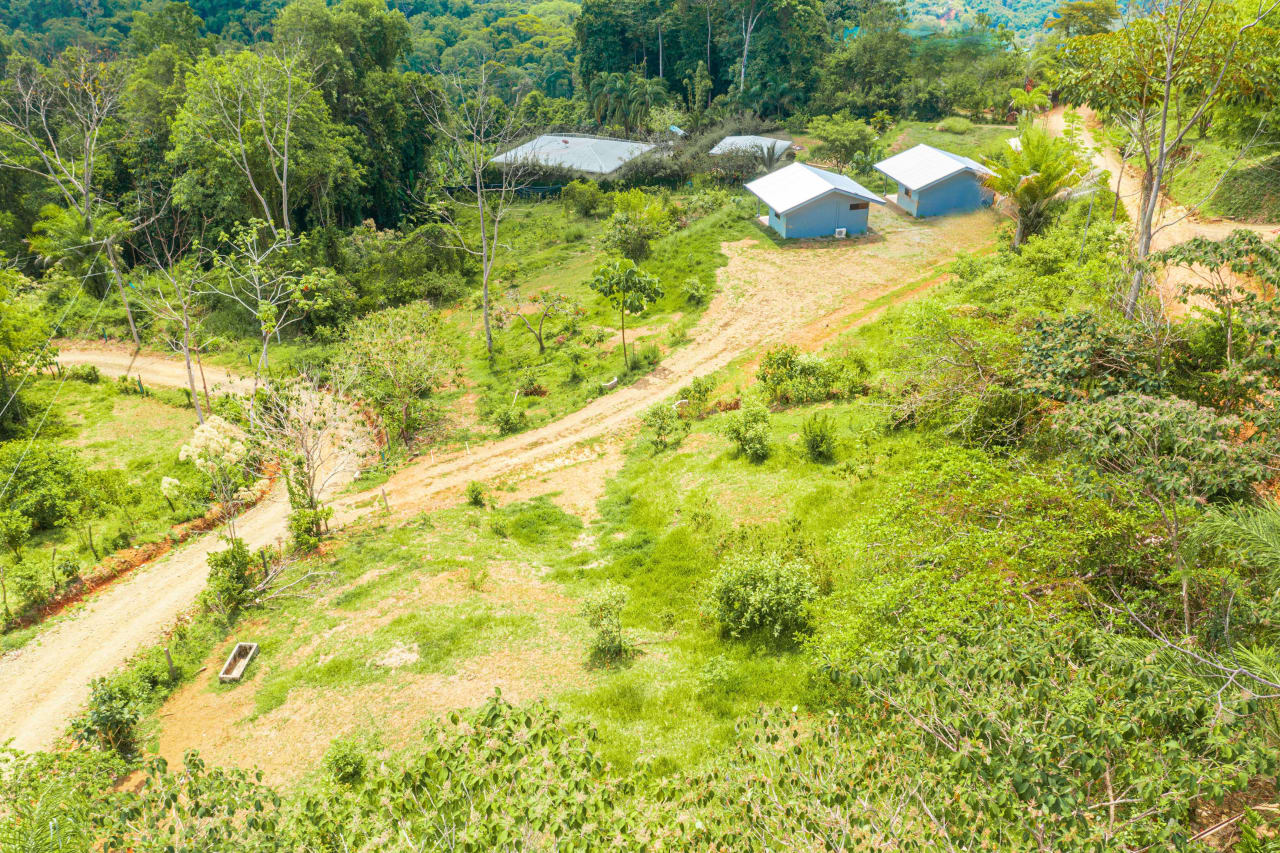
(114,262)
(1115,205)
(191,376)
(485,262)
(626,365)
(88,535)
(204,383)
(660,67)
(1020,233)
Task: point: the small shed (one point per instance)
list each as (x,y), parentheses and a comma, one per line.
(596,155)
(750,145)
(805,201)
(932,182)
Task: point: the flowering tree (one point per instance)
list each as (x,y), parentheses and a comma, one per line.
(220,450)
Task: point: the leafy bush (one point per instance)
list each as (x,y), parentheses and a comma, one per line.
(585,198)
(1082,355)
(48,484)
(307,525)
(233,574)
(86,373)
(603,608)
(762,593)
(646,356)
(697,394)
(346,760)
(790,376)
(955,124)
(476,495)
(818,437)
(666,425)
(509,419)
(110,718)
(694,290)
(748,429)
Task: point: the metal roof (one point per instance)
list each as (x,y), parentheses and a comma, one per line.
(923,166)
(596,154)
(798,184)
(750,144)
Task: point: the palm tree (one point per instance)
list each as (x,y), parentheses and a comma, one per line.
(769,156)
(1029,180)
(1026,103)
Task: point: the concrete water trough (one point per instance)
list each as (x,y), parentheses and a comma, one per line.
(238,660)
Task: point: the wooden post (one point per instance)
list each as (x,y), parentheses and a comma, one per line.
(168,658)
(385,507)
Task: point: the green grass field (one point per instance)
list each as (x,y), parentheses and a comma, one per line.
(1222,182)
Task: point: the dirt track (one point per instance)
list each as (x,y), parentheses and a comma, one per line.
(45,683)
(1173,223)
(767,295)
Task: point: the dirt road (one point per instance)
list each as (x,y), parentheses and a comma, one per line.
(1173,223)
(46,682)
(767,295)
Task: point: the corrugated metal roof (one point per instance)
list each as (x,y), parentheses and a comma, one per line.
(923,166)
(798,184)
(751,144)
(596,154)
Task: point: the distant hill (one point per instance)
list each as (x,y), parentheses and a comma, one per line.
(1025,17)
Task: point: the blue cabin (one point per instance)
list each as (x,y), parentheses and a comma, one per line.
(804,201)
(932,182)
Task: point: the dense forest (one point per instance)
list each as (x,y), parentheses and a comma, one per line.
(427,495)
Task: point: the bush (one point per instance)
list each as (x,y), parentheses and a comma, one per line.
(307,526)
(646,356)
(476,494)
(232,576)
(668,428)
(585,198)
(762,593)
(818,437)
(955,124)
(345,760)
(603,609)
(790,376)
(530,384)
(696,396)
(748,429)
(509,419)
(110,718)
(694,290)
(86,373)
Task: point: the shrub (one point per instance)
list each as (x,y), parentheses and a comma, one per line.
(86,373)
(530,384)
(818,437)
(790,376)
(307,526)
(646,356)
(603,609)
(476,494)
(696,396)
(110,718)
(667,427)
(585,198)
(748,429)
(509,419)
(694,290)
(955,124)
(763,593)
(232,573)
(345,760)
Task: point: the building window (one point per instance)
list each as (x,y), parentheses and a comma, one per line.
(859,205)
(906,191)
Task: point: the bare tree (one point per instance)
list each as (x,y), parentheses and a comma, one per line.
(1159,77)
(56,119)
(475,125)
(170,293)
(749,15)
(316,434)
(253,273)
(544,306)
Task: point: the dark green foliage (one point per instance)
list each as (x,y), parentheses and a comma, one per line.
(1083,355)
(585,198)
(233,573)
(346,760)
(109,722)
(86,373)
(476,494)
(46,481)
(509,419)
(762,593)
